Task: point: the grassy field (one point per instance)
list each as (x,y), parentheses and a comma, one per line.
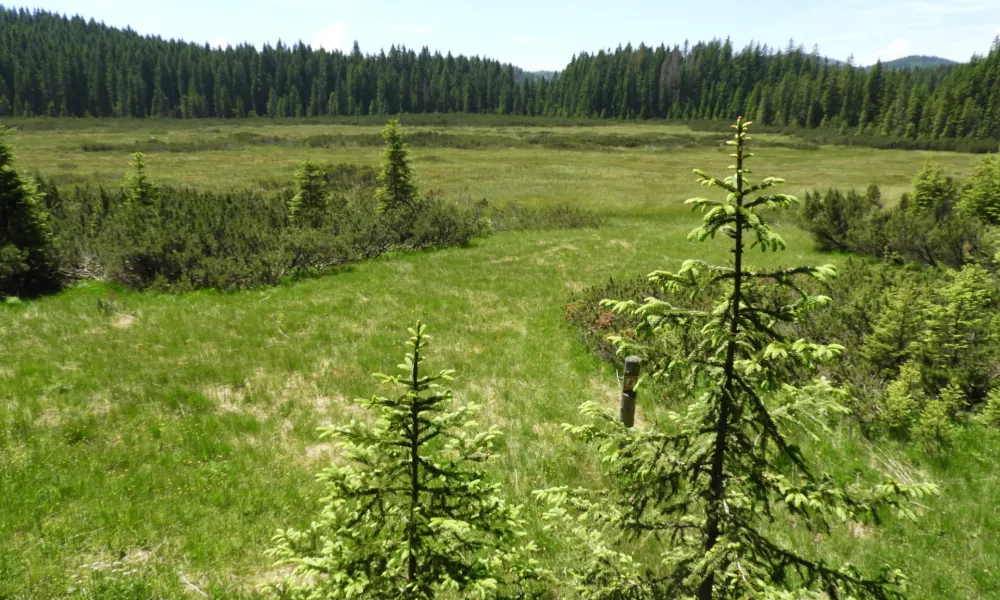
(150,444)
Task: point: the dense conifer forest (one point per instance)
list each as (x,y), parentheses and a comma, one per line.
(58,66)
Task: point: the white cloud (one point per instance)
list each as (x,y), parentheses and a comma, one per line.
(998,30)
(414,29)
(896,49)
(332,37)
(219,43)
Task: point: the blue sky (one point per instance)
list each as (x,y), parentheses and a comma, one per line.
(541,34)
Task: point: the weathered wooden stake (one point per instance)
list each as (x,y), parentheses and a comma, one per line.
(627,412)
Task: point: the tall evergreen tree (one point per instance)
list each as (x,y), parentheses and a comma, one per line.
(395,182)
(702,489)
(28,263)
(308,206)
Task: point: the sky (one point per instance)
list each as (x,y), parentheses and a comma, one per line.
(544,35)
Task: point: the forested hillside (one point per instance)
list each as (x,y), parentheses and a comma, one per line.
(57,66)
(918,61)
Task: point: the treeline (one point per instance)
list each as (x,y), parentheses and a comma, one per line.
(785,88)
(57,66)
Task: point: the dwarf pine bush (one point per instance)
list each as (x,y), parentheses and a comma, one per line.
(696,494)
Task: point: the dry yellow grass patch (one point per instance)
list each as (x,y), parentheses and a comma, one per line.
(123,321)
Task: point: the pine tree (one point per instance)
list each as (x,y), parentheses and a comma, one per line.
(959,331)
(28,263)
(904,399)
(702,489)
(410,512)
(395,186)
(899,325)
(935,426)
(308,206)
(139,190)
(933,192)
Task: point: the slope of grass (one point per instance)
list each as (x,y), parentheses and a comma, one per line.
(150,444)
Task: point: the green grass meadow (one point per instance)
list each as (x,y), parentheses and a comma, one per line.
(150,444)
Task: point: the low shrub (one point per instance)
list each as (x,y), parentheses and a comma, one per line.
(921,353)
(926,225)
(185,239)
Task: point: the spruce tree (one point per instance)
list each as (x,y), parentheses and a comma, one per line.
(28,263)
(700,491)
(897,327)
(139,190)
(409,511)
(395,186)
(308,206)
(933,191)
(959,333)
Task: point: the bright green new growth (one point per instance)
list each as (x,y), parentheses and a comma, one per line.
(932,190)
(409,511)
(139,190)
(308,204)
(981,194)
(395,185)
(957,333)
(991,412)
(27,256)
(701,490)
(897,327)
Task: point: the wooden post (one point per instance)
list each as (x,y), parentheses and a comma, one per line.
(627,411)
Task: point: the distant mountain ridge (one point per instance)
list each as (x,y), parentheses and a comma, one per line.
(918,61)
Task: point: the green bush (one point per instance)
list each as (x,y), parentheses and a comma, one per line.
(925,225)
(909,333)
(840,221)
(28,259)
(981,194)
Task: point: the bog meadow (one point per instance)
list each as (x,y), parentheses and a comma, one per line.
(206,254)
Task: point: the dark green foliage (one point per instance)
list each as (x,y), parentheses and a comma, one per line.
(701,489)
(410,512)
(85,68)
(925,225)
(181,239)
(308,206)
(138,188)
(908,332)
(917,61)
(395,189)
(188,239)
(841,221)
(28,264)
